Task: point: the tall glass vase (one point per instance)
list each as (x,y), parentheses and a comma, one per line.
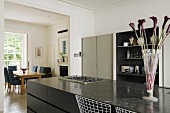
(150,59)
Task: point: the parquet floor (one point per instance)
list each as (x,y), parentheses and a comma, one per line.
(15,103)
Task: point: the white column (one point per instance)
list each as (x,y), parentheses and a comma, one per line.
(1,55)
(166,64)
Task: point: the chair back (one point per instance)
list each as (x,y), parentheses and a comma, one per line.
(47,70)
(11,76)
(6,76)
(42,69)
(34,69)
(14,68)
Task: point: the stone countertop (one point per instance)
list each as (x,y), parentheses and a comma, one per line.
(121,94)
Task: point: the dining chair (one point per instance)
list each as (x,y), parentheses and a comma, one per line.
(34,69)
(6,76)
(14,68)
(47,72)
(42,69)
(12,80)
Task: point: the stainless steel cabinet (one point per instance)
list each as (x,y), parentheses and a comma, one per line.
(97,56)
(89,56)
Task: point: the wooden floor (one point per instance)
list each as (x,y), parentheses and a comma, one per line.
(15,103)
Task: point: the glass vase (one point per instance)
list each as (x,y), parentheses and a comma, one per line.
(150,59)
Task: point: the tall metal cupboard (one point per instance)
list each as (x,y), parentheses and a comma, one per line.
(97,56)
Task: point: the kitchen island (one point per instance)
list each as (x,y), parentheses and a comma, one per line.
(52,95)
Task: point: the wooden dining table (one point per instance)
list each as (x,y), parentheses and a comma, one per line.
(27,74)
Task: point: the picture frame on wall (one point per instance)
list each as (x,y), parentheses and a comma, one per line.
(38,52)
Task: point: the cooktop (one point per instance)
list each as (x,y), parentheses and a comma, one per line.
(81,79)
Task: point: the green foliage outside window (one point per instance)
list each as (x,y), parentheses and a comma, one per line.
(13,48)
(18,56)
(11,57)
(18,48)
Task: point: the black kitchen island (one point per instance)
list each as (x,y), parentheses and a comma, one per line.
(52,95)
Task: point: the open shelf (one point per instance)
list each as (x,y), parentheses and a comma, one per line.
(128,46)
(134,46)
(131,74)
(131,56)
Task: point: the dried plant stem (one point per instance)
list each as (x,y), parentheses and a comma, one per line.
(154,41)
(146,53)
(161,44)
(160,40)
(153,60)
(143,47)
(138,39)
(153,55)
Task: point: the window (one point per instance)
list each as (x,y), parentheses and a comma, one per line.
(62,43)
(64,46)
(15,49)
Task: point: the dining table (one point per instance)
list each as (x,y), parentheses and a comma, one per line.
(27,74)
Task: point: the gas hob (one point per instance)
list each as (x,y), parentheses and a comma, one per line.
(81,79)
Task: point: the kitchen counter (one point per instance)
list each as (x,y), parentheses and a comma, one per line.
(124,95)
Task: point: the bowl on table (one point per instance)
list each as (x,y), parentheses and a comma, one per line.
(23,69)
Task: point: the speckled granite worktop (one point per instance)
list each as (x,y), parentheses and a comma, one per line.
(122,94)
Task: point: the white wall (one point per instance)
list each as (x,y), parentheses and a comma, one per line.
(37,37)
(117,19)
(53,37)
(167,63)
(112,19)
(1,56)
(81,25)
(52,41)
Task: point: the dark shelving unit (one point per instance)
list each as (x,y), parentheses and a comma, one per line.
(135,57)
(131,74)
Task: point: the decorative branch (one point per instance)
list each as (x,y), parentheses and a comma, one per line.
(150,57)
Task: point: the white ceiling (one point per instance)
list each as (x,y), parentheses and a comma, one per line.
(22,13)
(94,4)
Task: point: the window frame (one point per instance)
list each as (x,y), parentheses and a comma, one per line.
(23,52)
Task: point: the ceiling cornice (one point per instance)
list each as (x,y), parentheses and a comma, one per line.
(102,7)
(117,4)
(75,4)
